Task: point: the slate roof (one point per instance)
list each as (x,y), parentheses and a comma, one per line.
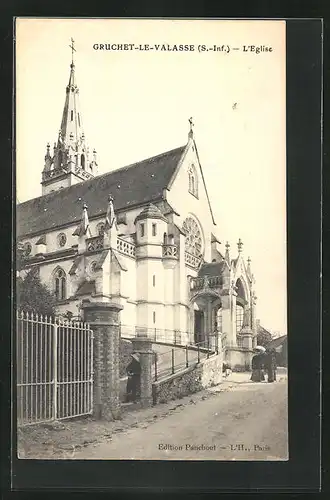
(275,343)
(211,269)
(135,184)
(151,212)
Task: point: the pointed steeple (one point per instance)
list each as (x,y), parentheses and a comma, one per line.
(71,132)
(84,223)
(111,228)
(110,218)
(71,154)
(248,270)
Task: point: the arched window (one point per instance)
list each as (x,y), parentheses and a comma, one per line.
(194,239)
(239,318)
(193,183)
(82,161)
(61,239)
(240,289)
(100,228)
(60,284)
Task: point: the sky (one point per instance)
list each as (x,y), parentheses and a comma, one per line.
(136,104)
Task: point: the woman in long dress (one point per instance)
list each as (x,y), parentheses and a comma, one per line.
(257,368)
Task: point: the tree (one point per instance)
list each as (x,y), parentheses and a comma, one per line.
(34,296)
(263,336)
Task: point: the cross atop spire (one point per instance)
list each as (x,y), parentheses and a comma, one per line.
(240,245)
(72,50)
(191,125)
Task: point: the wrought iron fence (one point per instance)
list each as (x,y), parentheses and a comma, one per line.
(54,367)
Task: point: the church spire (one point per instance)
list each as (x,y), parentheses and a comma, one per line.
(71,155)
(71,131)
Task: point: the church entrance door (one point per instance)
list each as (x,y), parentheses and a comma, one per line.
(198,326)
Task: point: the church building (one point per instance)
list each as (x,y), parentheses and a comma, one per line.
(143,236)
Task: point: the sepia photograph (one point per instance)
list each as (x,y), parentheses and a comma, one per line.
(151,239)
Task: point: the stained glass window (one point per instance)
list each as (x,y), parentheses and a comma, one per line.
(100,228)
(61,238)
(239,318)
(193,185)
(60,284)
(193,242)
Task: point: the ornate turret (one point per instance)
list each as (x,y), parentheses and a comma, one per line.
(151,225)
(72,160)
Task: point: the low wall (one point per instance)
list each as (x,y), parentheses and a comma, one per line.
(205,374)
(239,358)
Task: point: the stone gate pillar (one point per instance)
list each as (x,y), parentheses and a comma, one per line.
(143,346)
(103,318)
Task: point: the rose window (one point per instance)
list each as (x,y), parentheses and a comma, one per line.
(194,242)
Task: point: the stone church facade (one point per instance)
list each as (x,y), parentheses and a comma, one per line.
(142,236)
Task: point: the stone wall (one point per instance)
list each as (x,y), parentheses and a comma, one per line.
(239,358)
(193,379)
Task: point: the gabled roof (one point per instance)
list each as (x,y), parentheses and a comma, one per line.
(185,150)
(133,185)
(277,342)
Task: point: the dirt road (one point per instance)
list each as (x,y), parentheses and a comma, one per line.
(247,422)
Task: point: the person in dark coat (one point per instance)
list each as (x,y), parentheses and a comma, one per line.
(133,380)
(257,368)
(270,364)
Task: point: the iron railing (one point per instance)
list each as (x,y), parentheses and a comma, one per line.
(177,359)
(54,368)
(167,336)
